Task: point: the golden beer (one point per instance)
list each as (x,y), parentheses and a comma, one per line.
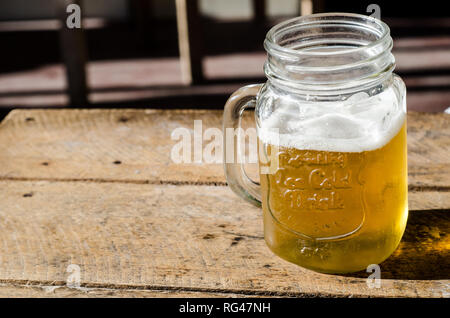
(335,211)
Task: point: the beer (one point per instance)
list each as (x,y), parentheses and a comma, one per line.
(335,211)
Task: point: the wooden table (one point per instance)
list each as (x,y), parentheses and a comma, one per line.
(97,188)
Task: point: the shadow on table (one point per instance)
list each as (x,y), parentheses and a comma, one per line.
(423,253)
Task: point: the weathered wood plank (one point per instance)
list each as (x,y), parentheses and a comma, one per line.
(84,144)
(62,291)
(195,238)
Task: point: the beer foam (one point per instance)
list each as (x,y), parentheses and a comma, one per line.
(360,123)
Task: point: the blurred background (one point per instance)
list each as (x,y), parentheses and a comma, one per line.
(186,53)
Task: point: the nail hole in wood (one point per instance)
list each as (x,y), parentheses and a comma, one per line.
(123,119)
(45,163)
(236,240)
(29,119)
(117,162)
(28,195)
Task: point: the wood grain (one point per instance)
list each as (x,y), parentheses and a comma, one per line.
(97,188)
(62,291)
(189,238)
(84,144)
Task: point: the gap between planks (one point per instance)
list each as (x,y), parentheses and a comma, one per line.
(86,287)
(411,188)
(51,291)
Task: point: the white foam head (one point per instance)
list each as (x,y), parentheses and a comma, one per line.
(360,123)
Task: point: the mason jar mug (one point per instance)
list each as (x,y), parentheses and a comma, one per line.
(331,128)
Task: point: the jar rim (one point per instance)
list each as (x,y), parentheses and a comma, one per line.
(329,52)
(325,18)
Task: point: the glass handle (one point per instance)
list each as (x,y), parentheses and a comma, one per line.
(237,179)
